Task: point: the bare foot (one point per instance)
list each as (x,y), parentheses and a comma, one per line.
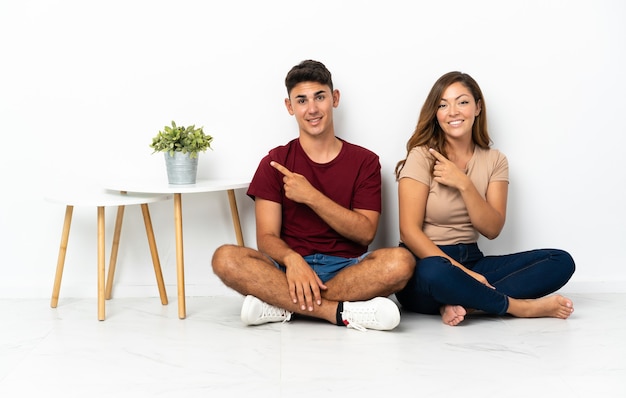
(452,314)
(555,306)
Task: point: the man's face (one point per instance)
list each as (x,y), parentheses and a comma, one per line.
(312,104)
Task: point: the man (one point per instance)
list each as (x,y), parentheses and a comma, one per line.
(317,204)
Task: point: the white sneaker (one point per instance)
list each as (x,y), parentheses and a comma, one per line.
(257,312)
(379,313)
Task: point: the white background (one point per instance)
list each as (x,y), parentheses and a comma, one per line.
(85,85)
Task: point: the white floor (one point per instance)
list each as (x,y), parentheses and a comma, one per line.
(142,349)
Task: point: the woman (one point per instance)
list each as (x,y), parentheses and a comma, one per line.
(452,186)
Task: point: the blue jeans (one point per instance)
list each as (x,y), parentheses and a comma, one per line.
(326,266)
(524,275)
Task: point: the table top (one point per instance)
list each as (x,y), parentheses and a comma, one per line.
(163,187)
(96,197)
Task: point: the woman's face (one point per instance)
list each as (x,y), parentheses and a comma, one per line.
(457,111)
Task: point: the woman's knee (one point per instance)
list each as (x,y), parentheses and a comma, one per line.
(565,261)
(433,270)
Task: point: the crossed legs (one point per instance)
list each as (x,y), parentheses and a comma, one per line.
(522,281)
(250,272)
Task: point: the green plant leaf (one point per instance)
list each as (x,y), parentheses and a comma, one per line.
(182,139)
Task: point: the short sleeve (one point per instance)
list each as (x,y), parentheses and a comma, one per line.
(418,166)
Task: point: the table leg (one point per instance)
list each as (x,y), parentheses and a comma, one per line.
(101,263)
(235,214)
(154,252)
(114,251)
(180,262)
(61,260)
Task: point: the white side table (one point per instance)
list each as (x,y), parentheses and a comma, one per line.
(201,186)
(101,198)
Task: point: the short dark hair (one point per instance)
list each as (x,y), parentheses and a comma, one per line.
(308,71)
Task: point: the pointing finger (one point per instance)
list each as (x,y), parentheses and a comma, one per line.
(436,154)
(281,168)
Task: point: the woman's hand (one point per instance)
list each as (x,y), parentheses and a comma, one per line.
(447,173)
(479,277)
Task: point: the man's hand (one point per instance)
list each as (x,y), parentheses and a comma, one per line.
(304,284)
(296,186)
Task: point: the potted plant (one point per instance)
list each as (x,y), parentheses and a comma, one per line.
(181,146)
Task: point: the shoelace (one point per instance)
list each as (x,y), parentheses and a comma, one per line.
(356,319)
(269,311)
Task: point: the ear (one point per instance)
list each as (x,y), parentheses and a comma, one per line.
(288,106)
(478,107)
(336,96)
